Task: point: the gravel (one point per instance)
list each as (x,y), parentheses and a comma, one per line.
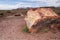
(11,29)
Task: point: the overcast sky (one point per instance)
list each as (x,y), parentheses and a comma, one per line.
(13,4)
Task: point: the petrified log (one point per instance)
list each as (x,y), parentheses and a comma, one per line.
(39,18)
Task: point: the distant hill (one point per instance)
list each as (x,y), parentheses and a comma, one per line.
(24,10)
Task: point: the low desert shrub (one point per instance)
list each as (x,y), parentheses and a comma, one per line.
(25,29)
(1,14)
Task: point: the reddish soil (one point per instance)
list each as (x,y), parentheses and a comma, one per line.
(11,29)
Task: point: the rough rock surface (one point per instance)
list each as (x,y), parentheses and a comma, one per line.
(34,16)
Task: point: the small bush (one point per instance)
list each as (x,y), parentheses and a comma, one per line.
(25,29)
(1,14)
(8,11)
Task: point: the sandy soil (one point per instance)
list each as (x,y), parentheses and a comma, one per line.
(11,29)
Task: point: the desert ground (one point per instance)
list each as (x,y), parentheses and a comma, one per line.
(11,28)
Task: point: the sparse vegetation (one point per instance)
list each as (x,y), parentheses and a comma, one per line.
(23,11)
(8,11)
(25,29)
(1,14)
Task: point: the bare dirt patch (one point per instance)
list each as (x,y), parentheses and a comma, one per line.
(11,29)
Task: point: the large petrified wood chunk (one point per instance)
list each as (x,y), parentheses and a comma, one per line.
(39,17)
